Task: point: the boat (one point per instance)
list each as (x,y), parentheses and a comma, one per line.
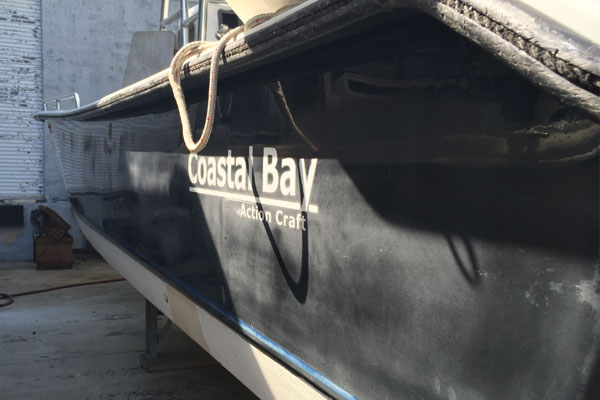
(398,200)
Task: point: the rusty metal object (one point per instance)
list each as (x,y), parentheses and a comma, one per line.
(52,253)
(52,219)
(53,246)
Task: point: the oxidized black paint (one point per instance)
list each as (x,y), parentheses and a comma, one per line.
(453,253)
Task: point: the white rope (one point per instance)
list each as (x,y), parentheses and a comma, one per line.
(195,48)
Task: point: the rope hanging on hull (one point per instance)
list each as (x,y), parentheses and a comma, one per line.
(184,53)
(196,48)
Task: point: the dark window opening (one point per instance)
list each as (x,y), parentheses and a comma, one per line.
(11,216)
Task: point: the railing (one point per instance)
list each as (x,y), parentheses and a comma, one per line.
(59,100)
(186,17)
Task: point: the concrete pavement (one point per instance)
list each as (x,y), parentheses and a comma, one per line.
(84,342)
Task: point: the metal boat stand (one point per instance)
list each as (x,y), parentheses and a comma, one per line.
(153,361)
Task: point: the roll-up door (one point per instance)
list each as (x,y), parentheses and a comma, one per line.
(21,137)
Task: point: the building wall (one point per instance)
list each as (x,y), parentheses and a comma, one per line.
(85,46)
(86,43)
(21,140)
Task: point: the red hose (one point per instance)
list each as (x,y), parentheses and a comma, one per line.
(9,297)
(8,302)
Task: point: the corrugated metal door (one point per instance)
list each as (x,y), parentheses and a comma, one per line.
(21,137)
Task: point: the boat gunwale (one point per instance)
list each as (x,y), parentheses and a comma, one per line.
(297,29)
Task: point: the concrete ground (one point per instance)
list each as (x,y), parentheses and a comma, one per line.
(84,342)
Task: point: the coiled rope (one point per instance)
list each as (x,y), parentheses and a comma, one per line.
(196,48)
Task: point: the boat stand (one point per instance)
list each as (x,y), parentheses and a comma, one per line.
(154,361)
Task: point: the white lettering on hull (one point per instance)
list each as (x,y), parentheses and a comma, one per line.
(233,178)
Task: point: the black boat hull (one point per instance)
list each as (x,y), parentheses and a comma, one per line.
(431,233)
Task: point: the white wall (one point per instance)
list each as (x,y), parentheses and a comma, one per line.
(86,43)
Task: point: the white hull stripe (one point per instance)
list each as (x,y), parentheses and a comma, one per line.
(252,199)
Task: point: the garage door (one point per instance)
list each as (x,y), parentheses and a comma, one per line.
(21,137)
